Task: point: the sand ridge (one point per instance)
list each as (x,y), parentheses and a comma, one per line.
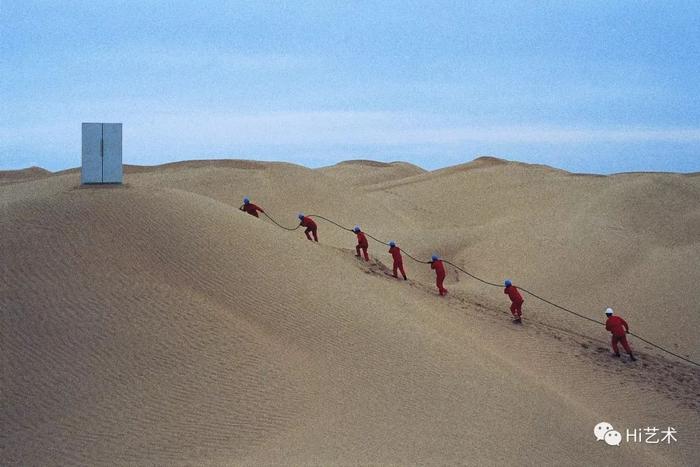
(23,175)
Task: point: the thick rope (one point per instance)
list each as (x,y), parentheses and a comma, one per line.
(472,275)
(280,225)
(493,284)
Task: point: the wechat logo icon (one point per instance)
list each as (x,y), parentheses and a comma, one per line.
(604,431)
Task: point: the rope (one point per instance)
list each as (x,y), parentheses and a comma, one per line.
(493,284)
(561,307)
(472,275)
(328,220)
(279,225)
(663,349)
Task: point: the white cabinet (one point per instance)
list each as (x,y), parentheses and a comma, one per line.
(102,153)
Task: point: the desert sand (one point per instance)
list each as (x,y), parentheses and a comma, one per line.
(155,323)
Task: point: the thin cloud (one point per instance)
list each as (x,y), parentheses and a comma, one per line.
(554,135)
(202,131)
(392,128)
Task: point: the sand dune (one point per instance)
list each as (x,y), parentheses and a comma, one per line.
(23,175)
(362,172)
(154,323)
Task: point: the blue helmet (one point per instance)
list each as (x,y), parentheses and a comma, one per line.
(392,243)
(356,228)
(508,283)
(301,216)
(246,200)
(434,257)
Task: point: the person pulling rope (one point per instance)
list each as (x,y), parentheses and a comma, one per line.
(362,243)
(440,274)
(311,227)
(516,306)
(250,208)
(395,253)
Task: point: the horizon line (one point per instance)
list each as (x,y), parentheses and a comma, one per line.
(491,158)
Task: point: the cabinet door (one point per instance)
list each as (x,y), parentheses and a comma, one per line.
(92,153)
(112,153)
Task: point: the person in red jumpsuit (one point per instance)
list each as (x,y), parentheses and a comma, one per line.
(362,243)
(250,208)
(619,328)
(516,301)
(440,273)
(310,225)
(398,260)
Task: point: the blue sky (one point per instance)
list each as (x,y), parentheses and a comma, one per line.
(594,86)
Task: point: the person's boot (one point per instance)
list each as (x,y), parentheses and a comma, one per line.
(616,354)
(632,357)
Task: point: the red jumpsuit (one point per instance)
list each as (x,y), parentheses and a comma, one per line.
(619,328)
(440,275)
(251,209)
(398,260)
(517,299)
(362,244)
(310,227)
